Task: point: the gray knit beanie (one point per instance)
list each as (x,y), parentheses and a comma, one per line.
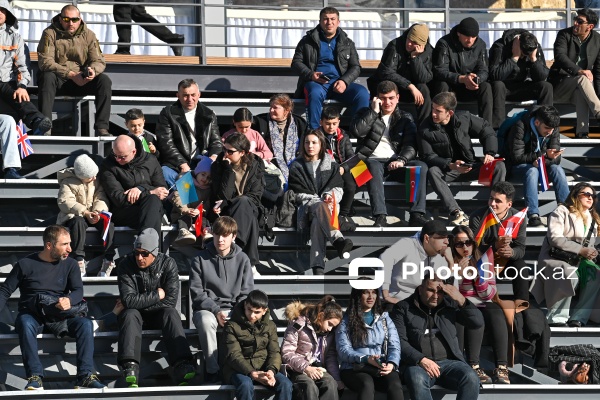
(85,167)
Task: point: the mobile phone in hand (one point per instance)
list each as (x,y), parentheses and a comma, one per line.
(323,76)
(477,80)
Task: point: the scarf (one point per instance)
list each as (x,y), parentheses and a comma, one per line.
(284,145)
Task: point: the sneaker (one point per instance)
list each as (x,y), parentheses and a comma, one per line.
(107,267)
(131,372)
(318,271)
(535,220)
(123,52)
(90,382)
(417,219)
(82,267)
(582,135)
(185,238)
(483,377)
(41,125)
(255,273)
(177,39)
(501,375)
(347,224)
(458,217)
(12,173)
(343,247)
(34,383)
(380,220)
(183,372)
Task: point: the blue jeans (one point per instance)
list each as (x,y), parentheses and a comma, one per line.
(454,375)
(315,93)
(8,141)
(80,328)
(170,177)
(556,175)
(244,387)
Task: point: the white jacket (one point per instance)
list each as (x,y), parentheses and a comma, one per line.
(13,66)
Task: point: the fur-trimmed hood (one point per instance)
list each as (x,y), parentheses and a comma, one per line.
(293,310)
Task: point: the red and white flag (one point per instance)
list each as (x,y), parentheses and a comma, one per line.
(510,226)
(105,217)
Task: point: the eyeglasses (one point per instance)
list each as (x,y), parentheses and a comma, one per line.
(230,151)
(460,245)
(121,158)
(580,21)
(142,253)
(69,19)
(588,195)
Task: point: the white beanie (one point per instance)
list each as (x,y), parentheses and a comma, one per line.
(85,167)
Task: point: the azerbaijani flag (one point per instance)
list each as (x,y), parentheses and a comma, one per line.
(185,187)
(105,217)
(490,220)
(486,172)
(359,170)
(198,223)
(543,174)
(334,222)
(485,262)
(510,226)
(413,178)
(23,142)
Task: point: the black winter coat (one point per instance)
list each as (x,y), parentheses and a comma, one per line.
(491,234)
(503,68)
(566,54)
(521,152)
(368,127)
(306,58)
(435,145)
(138,287)
(451,59)
(223,181)
(143,172)
(301,181)
(411,320)
(398,66)
(176,141)
(341,147)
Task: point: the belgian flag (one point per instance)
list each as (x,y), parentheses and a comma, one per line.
(358,169)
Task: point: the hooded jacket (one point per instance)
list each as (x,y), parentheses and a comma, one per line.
(339,147)
(13,63)
(219,283)
(138,287)
(76,197)
(60,52)
(368,127)
(306,58)
(451,59)
(176,141)
(142,172)
(300,342)
(250,347)
(503,68)
(522,151)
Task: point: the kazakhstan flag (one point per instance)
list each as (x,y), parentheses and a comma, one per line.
(185,187)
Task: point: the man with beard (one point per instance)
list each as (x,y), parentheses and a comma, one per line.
(51,280)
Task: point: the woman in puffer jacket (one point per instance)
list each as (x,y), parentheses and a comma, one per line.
(308,349)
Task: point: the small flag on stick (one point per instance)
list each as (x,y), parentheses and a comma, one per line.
(185,187)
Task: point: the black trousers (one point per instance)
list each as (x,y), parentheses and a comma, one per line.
(423,111)
(126,13)
(25,110)
(349,192)
(364,385)
(485,98)
(146,213)
(517,272)
(167,319)
(245,213)
(77,226)
(542,92)
(51,85)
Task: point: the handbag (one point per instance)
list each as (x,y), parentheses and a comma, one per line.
(568,256)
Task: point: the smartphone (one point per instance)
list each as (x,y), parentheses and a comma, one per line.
(86,72)
(477,80)
(217,204)
(378,361)
(326,77)
(467,165)
(228,317)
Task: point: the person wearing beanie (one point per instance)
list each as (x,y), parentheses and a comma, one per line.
(407,61)
(81,201)
(149,288)
(460,65)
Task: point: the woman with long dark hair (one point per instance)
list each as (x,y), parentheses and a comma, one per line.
(568,227)
(315,179)
(369,348)
(308,349)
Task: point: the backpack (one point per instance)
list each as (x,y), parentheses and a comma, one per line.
(504,129)
(280,212)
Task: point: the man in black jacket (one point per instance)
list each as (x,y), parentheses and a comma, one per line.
(406,61)
(185,130)
(387,141)
(327,62)
(518,72)
(575,73)
(430,351)
(134,184)
(149,289)
(445,145)
(460,66)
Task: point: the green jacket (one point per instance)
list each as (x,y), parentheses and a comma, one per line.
(250,347)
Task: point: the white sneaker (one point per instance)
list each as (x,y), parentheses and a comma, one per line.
(107,267)
(458,218)
(255,273)
(82,269)
(185,238)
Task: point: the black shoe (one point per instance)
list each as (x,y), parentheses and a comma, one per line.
(380,220)
(535,220)
(41,125)
(183,372)
(346,224)
(131,372)
(123,52)
(574,323)
(212,379)
(177,39)
(343,247)
(582,135)
(11,173)
(417,219)
(558,325)
(102,132)
(318,271)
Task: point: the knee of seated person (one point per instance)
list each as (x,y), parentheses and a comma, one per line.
(417,376)
(205,319)
(434,170)
(470,378)
(245,384)
(25,322)
(284,383)
(498,85)
(130,313)
(171,313)
(103,79)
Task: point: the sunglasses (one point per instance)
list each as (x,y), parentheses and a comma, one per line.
(581,21)
(73,20)
(142,253)
(230,151)
(588,195)
(460,245)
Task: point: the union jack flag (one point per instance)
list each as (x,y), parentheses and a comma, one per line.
(23,141)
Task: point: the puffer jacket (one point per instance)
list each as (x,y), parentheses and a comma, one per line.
(306,58)
(76,197)
(348,355)
(223,181)
(435,146)
(60,52)
(451,59)
(176,141)
(300,341)
(368,127)
(340,146)
(250,347)
(138,287)
(524,152)
(13,66)
(503,68)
